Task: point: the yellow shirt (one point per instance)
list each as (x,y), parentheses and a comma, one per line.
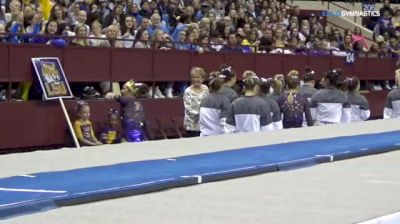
(84,130)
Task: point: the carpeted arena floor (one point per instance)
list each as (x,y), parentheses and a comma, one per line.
(342,192)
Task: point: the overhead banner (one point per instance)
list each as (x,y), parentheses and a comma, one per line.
(52,78)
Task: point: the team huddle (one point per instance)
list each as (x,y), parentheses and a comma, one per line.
(275,103)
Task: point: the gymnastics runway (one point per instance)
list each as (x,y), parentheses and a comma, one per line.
(348,191)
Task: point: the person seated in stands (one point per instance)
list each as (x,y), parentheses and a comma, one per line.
(112,34)
(51,29)
(142,39)
(232,44)
(358,47)
(392,102)
(190,42)
(80,34)
(3,38)
(110,133)
(358,36)
(204,42)
(359,104)
(265,87)
(156,24)
(214,108)
(83,126)
(192,98)
(280,41)
(250,113)
(293,105)
(133,115)
(330,105)
(128,31)
(97,33)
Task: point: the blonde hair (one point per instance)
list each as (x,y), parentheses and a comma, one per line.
(198,71)
(248,73)
(293,73)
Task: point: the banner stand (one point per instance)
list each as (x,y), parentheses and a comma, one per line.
(71,129)
(54,85)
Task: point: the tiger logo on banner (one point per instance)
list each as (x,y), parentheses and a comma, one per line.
(52,78)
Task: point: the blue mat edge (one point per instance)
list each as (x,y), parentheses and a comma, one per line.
(45,205)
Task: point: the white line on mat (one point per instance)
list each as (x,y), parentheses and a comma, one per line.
(31,190)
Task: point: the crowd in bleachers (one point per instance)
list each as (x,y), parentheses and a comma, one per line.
(199,25)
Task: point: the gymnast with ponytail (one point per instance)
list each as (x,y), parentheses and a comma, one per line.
(359,104)
(250,113)
(214,108)
(265,86)
(293,105)
(229,82)
(330,105)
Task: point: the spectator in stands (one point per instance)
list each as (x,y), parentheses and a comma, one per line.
(145,23)
(386,8)
(51,29)
(359,104)
(358,37)
(384,24)
(396,19)
(142,39)
(134,12)
(112,34)
(214,108)
(232,44)
(204,42)
(347,44)
(128,31)
(15,8)
(117,17)
(279,40)
(2,36)
(392,102)
(83,126)
(394,47)
(57,13)
(192,98)
(156,24)
(72,13)
(96,33)
(80,34)
(373,50)
(145,10)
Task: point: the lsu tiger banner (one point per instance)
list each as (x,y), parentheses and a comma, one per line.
(52,78)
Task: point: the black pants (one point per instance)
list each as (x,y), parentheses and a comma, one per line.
(190,134)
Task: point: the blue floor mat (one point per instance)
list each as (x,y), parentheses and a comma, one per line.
(22,195)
